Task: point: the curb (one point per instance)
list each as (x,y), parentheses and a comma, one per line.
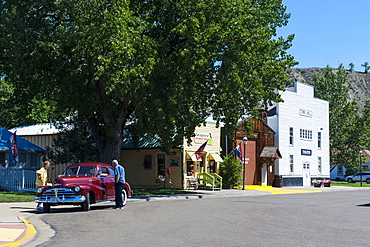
(27,234)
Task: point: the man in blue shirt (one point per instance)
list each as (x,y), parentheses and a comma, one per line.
(120,180)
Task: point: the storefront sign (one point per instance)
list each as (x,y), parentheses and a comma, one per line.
(306,152)
(305,113)
(201,137)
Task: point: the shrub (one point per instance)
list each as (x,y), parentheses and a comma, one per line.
(230,171)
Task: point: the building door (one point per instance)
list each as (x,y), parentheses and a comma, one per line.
(306,174)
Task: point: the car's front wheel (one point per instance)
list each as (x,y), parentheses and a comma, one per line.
(368,180)
(86,204)
(46,207)
(350,180)
(124,197)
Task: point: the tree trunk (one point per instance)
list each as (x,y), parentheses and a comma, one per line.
(108,141)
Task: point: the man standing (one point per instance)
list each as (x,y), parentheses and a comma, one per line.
(42,176)
(119,172)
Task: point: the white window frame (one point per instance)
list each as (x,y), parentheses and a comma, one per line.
(291,163)
(305,134)
(291,136)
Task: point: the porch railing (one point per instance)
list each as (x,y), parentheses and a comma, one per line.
(17,180)
(210,181)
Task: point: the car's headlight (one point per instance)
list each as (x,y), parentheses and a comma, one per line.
(77,188)
(39,190)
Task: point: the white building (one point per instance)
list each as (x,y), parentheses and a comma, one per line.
(301,124)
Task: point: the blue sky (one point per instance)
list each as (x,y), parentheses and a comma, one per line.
(329,32)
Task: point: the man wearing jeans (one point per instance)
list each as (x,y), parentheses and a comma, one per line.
(119,173)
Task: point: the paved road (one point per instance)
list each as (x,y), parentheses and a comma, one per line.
(314,219)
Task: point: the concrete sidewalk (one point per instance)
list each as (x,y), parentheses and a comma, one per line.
(20,223)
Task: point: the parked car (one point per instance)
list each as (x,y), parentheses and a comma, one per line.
(357,177)
(82,184)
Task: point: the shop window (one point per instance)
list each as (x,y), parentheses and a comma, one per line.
(174,162)
(190,168)
(211,166)
(319,139)
(161,164)
(147,162)
(319,166)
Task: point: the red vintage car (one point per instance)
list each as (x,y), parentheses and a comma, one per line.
(82,184)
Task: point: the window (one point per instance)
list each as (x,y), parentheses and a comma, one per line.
(319,165)
(161,164)
(340,170)
(319,139)
(2,160)
(306,166)
(291,163)
(147,162)
(305,134)
(34,161)
(291,135)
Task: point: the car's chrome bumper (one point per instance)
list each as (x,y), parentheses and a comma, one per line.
(60,199)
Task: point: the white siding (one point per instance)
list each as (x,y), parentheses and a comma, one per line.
(301,110)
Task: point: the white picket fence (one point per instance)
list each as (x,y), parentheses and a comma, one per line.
(17,180)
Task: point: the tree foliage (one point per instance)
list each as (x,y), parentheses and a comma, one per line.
(345,137)
(351,66)
(366,66)
(162,66)
(74,144)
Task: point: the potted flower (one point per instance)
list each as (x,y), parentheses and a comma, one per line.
(316,183)
(327,182)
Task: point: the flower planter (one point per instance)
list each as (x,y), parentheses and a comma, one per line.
(327,184)
(317,185)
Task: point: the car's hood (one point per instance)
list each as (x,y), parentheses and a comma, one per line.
(71,181)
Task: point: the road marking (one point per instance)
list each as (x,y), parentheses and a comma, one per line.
(274,190)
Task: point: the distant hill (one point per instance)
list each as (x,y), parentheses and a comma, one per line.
(359,82)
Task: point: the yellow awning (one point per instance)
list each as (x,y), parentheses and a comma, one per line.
(192,156)
(216,157)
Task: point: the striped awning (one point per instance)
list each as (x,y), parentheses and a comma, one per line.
(216,157)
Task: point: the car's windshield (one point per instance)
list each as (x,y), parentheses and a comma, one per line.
(79,171)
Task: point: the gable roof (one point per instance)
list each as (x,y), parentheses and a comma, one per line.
(270,152)
(36,129)
(23,144)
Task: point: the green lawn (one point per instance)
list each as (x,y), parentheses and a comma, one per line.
(343,183)
(9,196)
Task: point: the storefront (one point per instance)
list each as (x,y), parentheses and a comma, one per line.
(149,167)
(202,157)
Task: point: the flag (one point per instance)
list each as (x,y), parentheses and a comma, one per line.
(237,151)
(13,148)
(199,152)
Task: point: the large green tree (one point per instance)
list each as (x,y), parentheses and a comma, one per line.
(161,66)
(345,137)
